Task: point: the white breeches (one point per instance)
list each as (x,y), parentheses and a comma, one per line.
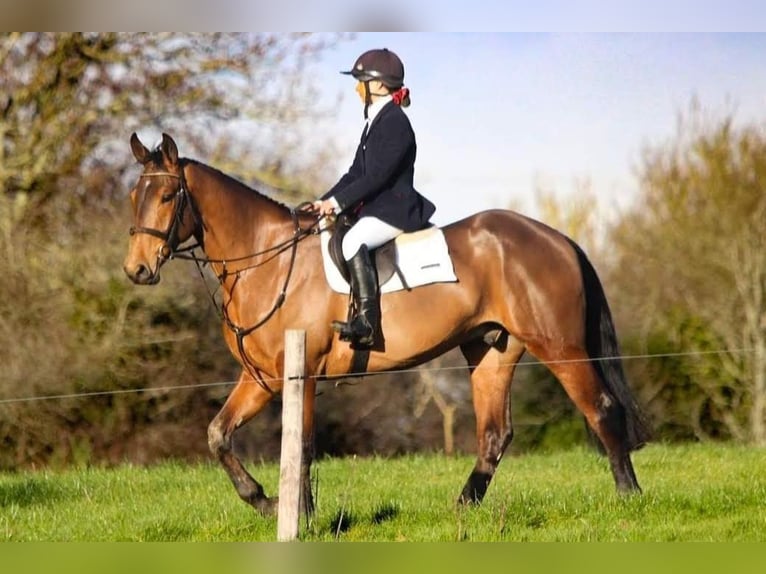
(369,231)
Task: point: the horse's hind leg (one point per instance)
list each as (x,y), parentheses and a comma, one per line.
(491,368)
(605,416)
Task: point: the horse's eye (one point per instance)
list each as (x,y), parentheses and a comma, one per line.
(167,197)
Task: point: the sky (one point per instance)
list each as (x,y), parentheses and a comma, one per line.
(498,116)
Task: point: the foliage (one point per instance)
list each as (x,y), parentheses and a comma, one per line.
(74,326)
(579,217)
(68,101)
(689,273)
(566,496)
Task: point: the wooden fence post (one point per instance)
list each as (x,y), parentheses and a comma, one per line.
(291,456)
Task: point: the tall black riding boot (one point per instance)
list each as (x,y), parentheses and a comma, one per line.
(364,287)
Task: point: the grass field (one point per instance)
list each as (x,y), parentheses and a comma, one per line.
(691,493)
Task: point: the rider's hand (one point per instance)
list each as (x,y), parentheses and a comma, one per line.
(323,207)
(319,207)
(308,207)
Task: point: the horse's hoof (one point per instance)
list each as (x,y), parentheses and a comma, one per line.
(266,506)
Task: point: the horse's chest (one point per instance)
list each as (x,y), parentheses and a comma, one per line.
(250,349)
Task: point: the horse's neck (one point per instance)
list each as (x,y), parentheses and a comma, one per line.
(247,238)
(237,221)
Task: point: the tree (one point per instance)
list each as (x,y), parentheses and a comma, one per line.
(68,101)
(577,217)
(690,265)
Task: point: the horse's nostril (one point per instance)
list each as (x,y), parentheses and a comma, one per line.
(139,273)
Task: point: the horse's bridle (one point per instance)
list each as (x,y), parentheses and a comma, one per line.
(170,235)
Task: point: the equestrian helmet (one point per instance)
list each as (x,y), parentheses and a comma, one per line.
(379,64)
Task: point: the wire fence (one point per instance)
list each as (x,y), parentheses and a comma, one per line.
(526,363)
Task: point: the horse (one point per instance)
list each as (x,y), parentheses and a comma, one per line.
(522,287)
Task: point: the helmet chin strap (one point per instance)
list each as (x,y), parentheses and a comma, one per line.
(368,97)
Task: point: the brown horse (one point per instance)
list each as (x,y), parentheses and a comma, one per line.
(522,286)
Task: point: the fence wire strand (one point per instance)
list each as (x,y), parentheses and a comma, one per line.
(341,377)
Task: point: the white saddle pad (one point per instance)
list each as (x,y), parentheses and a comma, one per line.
(422,258)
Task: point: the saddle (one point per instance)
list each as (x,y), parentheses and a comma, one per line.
(384,256)
(412,259)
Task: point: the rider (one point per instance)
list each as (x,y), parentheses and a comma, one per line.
(378,187)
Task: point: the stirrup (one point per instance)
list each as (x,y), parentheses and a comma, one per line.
(348,332)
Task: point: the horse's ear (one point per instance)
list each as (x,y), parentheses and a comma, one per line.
(169,149)
(140,151)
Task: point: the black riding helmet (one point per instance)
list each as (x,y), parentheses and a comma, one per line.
(379,64)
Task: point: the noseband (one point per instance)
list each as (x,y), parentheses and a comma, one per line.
(170,235)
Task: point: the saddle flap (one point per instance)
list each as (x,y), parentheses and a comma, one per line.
(335,244)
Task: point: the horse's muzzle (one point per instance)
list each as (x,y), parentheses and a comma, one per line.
(141,274)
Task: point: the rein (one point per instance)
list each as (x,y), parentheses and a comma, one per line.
(240,332)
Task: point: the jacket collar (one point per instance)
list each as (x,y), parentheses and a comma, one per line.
(377,111)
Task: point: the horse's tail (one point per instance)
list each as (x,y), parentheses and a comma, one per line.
(602,346)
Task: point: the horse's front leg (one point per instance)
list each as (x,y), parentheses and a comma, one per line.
(245,401)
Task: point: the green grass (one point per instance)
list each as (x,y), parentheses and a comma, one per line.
(691,493)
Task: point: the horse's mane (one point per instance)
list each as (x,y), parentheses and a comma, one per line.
(234,181)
